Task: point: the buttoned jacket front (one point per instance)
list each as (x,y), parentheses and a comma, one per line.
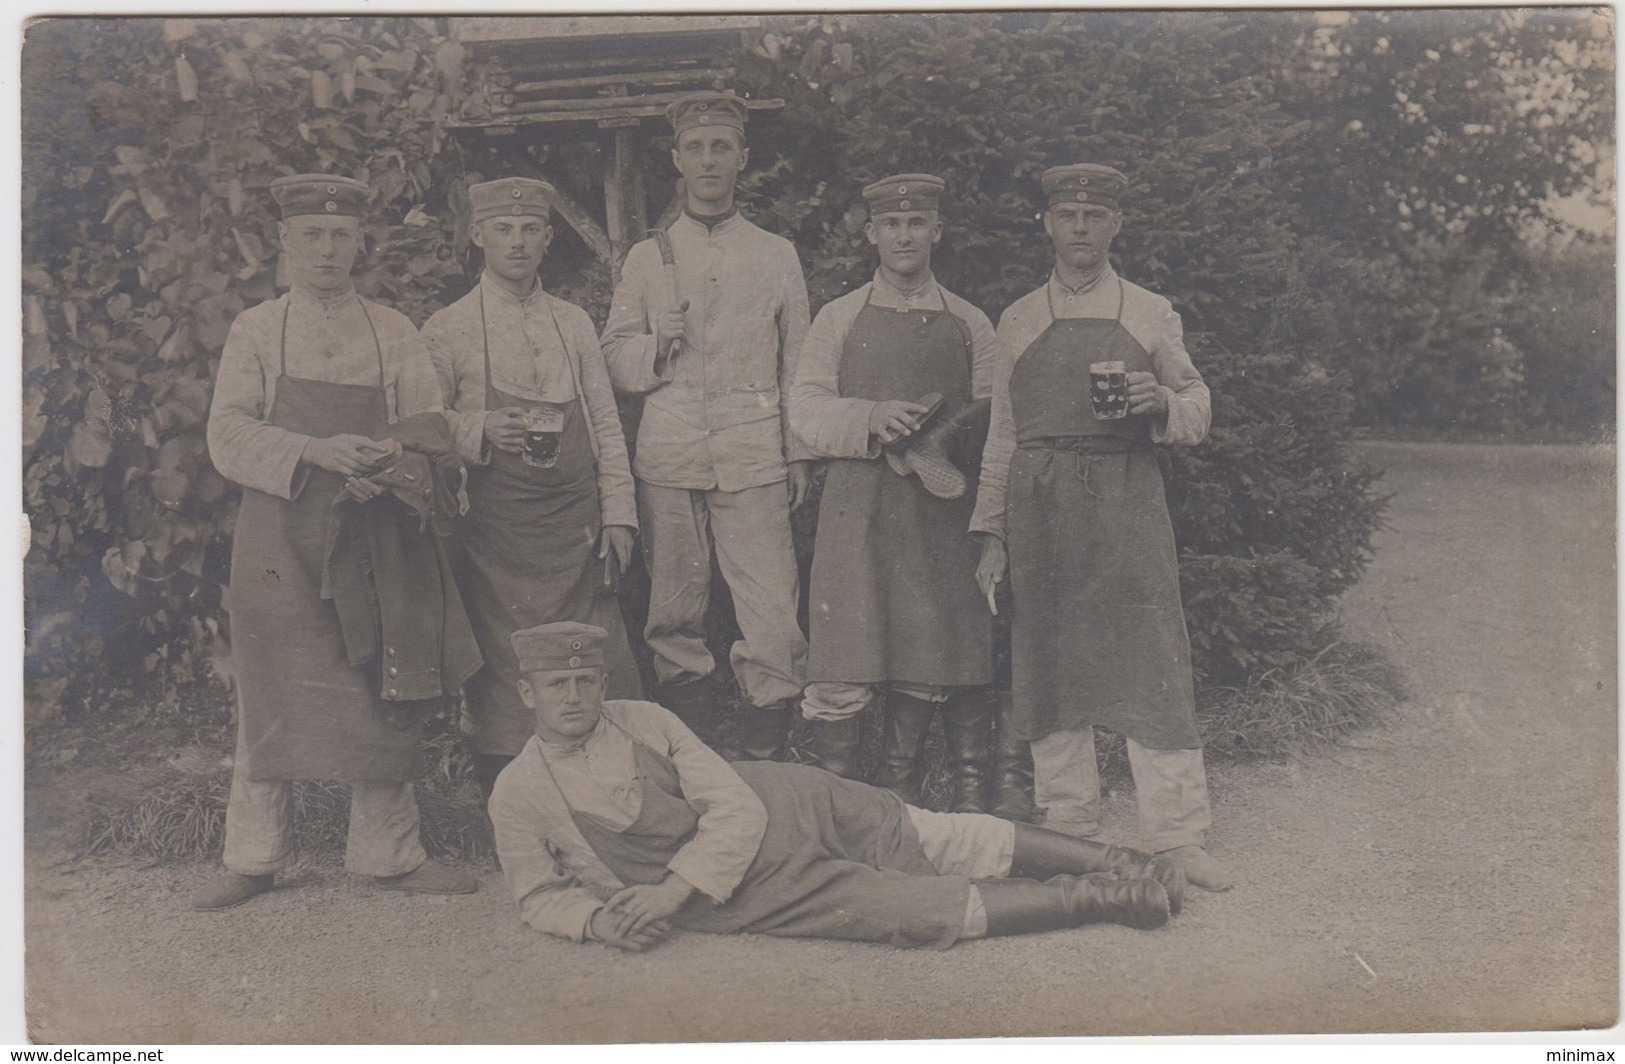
(716,416)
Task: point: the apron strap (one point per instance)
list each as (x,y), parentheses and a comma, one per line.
(376,346)
(569,364)
(282,342)
(1117,319)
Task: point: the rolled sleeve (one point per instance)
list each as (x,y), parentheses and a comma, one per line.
(629,341)
(550,899)
(828,424)
(244,446)
(1190,405)
(732,818)
(989,514)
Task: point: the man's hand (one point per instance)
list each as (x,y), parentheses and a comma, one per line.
(670,326)
(639,906)
(606,929)
(990,570)
(505,429)
(1145,395)
(893,419)
(350,455)
(361,489)
(800,482)
(616,541)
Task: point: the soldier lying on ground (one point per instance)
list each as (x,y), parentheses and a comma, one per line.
(615,823)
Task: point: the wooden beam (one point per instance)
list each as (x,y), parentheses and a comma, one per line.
(582,223)
(595,81)
(610,108)
(598,103)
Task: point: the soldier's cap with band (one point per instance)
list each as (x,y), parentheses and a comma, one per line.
(904,192)
(511,197)
(329,194)
(1091,183)
(559,646)
(706,109)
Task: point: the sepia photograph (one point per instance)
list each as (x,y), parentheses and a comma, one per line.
(818,526)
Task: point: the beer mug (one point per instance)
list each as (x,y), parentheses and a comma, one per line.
(1108,390)
(544,427)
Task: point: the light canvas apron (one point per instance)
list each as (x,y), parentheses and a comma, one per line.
(893,594)
(306,712)
(1097,633)
(529,555)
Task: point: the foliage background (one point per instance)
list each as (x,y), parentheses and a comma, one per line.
(1358,215)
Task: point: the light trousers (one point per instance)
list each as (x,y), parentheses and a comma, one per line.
(966,844)
(750,533)
(1170,787)
(838,700)
(383,837)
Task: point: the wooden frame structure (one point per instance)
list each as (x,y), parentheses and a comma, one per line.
(597,79)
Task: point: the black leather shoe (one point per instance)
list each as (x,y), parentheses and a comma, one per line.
(907,720)
(968,726)
(763,730)
(694,703)
(835,744)
(1012,770)
(1023,906)
(230,889)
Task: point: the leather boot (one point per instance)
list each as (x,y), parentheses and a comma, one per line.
(835,745)
(762,731)
(694,703)
(940,451)
(1040,854)
(907,720)
(1012,769)
(1022,906)
(968,724)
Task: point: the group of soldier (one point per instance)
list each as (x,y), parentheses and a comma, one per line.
(499,421)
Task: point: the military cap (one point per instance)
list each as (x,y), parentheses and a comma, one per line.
(706,109)
(1084,183)
(511,197)
(320,194)
(904,192)
(558,646)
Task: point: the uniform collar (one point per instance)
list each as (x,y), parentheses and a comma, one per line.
(301,294)
(891,292)
(1088,286)
(501,293)
(728,224)
(559,751)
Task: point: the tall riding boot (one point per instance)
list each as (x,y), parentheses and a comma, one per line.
(907,719)
(694,703)
(1012,769)
(968,724)
(763,730)
(1040,853)
(835,745)
(1022,906)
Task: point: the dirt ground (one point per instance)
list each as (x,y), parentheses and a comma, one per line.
(1454,872)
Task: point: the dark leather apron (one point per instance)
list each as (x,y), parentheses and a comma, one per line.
(839,859)
(529,555)
(307,713)
(893,593)
(1098,633)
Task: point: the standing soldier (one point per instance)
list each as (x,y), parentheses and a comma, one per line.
(304,380)
(713,341)
(545,536)
(1074,493)
(895,603)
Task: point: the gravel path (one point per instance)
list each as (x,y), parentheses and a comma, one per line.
(1457,871)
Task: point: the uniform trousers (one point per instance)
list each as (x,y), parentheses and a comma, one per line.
(972,845)
(383,837)
(750,533)
(834,700)
(1170,787)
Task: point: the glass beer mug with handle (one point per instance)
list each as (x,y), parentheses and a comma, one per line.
(544,427)
(1108,390)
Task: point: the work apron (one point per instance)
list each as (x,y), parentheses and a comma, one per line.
(839,859)
(307,713)
(893,592)
(1098,633)
(529,555)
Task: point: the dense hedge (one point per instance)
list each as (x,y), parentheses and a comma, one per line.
(148,144)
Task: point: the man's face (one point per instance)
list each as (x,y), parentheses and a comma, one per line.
(321,249)
(567,702)
(710,158)
(514,247)
(904,240)
(1082,233)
